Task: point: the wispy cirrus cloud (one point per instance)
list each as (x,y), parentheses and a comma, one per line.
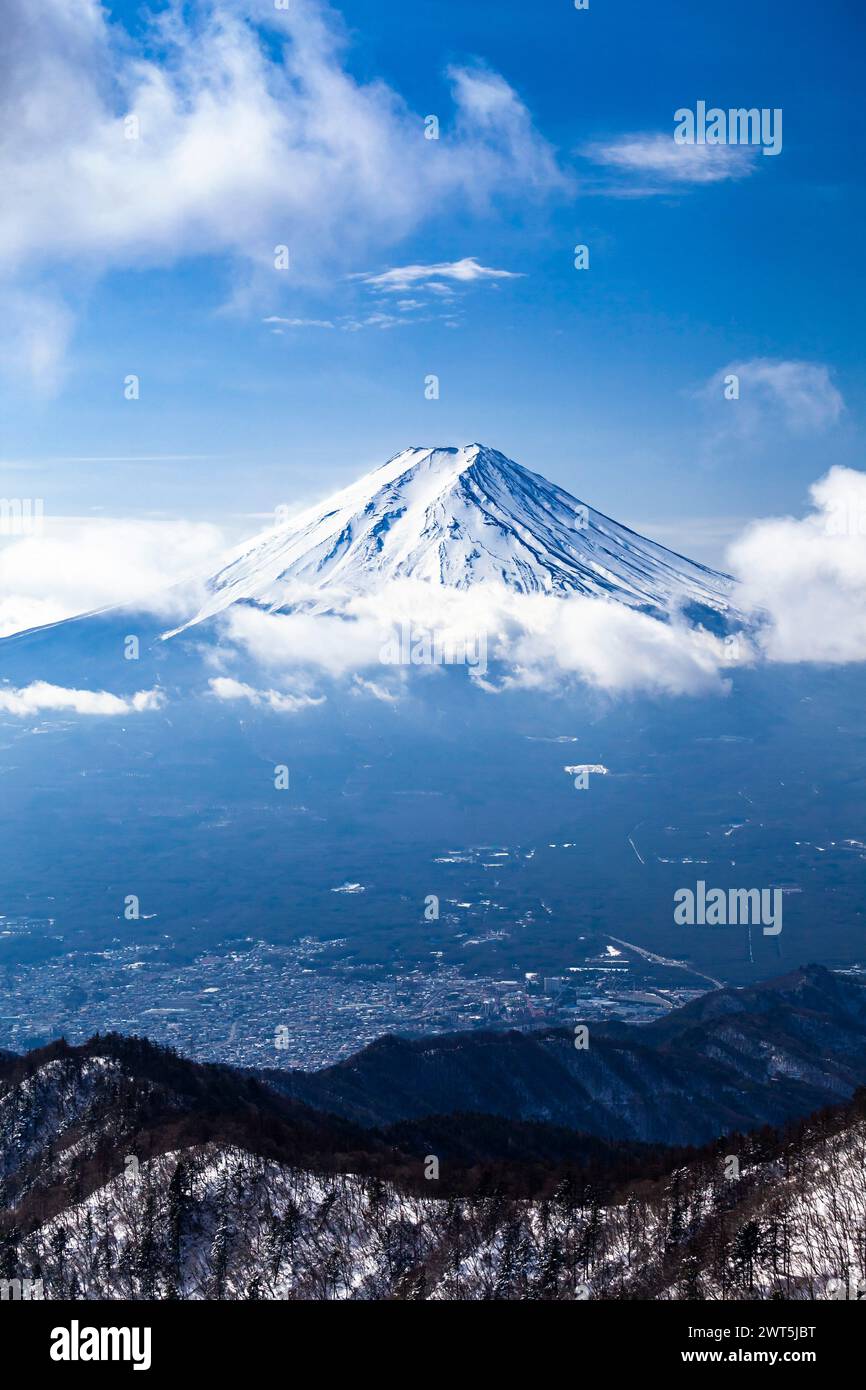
(401,278)
(37,327)
(801,396)
(346,323)
(421,293)
(750,406)
(434,283)
(649,164)
(280,322)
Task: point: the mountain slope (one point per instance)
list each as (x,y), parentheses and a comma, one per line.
(734,1059)
(459,517)
(70,1117)
(250,1207)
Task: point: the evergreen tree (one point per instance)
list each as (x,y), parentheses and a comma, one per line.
(551,1271)
(178,1207)
(746,1251)
(146,1265)
(219,1251)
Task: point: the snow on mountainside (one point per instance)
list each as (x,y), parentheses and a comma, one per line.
(459,517)
(127,1171)
(222,1223)
(219,1221)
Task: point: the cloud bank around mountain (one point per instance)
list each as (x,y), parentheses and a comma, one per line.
(503,639)
(76,565)
(805,578)
(800,586)
(801,583)
(654,163)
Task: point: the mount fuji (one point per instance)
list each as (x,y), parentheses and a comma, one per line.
(411,782)
(456,518)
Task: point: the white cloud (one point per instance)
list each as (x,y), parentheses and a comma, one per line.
(377,320)
(509,640)
(800,396)
(376,689)
(283,641)
(245,141)
(612,648)
(298,323)
(406,277)
(226,688)
(37,327)
(802,580)
(40,695)
(495,128)
(807,577)
(77,565)
(661,163)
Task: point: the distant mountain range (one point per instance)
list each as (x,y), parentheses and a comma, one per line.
(731,1060)
(129,1172)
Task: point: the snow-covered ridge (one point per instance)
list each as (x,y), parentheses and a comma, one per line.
(95,1206)
(459,517)
(216,1222)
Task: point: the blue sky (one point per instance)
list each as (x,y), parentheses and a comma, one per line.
(606,380)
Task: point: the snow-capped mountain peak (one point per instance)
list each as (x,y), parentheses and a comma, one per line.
(458,517)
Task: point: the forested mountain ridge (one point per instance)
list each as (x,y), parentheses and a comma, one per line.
(780,1216)
(129,1172)
(732,1059)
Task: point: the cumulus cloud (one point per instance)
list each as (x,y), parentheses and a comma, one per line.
(40,695)
(798,396)
(76,565)
(335,644)
(805,578)
(612,648)
(208,134)
(504,640)
(226,688)
(658,163)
